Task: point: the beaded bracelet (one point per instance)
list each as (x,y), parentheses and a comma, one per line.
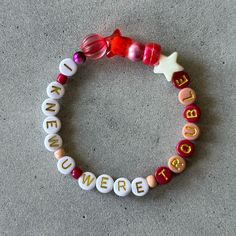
(95,46)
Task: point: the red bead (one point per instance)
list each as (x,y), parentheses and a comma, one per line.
(163,175)
(61,79)
(180,79)
(185,148)
(151,54)
(94,46)
(192,113)
(76,172)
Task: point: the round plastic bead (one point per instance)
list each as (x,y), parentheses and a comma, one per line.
(50,107)
(192,113)
(152,183)
(163,175)
(76,172)
(187,96)
(65,165)
(53,142)
(51,125)
(94,46)
(79,58)
(185,148)
(68,67)
(181,79)
(55,90)
(61,79)
(87,181)
(176,164)
(139,187)
(191,131)
(122,187)
(135,52)
(59,153)
(151,54)
(104,183)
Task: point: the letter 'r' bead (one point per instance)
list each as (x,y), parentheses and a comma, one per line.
(122,187)
(192,113)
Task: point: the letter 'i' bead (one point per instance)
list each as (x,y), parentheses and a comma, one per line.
(51,124)
(53,142)
(187,96)
(185,148)
(122,187)
(104,183)
(65,165)
(59,153)
(192,113)
(139,187)
(68,67)
(55,90)
(87,181)
(163,175)
(50,107)
(191,131)
(152,183)
(176,164)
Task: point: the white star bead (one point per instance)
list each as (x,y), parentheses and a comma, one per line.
(168,66)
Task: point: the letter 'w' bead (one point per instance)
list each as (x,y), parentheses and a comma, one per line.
(87,181)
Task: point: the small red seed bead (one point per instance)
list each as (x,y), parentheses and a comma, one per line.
(185,148)
(192,113)
(61,79)
(180,79)
(163,175)
(76,172)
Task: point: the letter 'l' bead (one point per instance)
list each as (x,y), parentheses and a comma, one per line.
(65,165)
(104,183)
(50,107)
(122,187)
(68,67)
(163,175)
(55,90)
(139,186)
(87,181)
(51,124)
(187,96)
(53,142)
(191,131)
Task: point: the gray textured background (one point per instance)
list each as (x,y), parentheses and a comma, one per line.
(119,118)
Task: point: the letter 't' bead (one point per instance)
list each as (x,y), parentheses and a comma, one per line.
(68,67)
(50,107)
(104,183)
(53,142)
(51,124)
(65,165)
(139,187)
(55,90)
(122,187)
(163,175)
(87,181)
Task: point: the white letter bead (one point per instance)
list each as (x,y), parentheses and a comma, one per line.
(122,187)
(87,181)
(51,124)
(68,67)
(52,142)
(65,165)
(55,90)
(50,107)
(139,187)
(104,183)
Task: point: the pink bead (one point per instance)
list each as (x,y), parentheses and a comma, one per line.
(61,79)
(79,58)
(187,96)
(94,46)
(191,131)
(152,54)
(185,148)
(135,52)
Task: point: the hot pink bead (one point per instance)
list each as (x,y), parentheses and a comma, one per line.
(79,58)
(94,46)
(152,54)
(135,52)
(61,79)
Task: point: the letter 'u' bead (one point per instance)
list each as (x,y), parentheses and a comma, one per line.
(122,187)
(55,90)
(65,165)
(139,187)
(104,183)
(68,67)
(51,125)
(53,142)
(50,107)
(87,181)
(191,131)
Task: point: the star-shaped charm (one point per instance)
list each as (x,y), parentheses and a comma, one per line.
(168,66)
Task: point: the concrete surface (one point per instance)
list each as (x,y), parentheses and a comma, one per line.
(119,118)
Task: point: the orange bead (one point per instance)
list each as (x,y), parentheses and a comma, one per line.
(59,153)
(152,183)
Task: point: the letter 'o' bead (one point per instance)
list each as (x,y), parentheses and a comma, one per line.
(152,183)
(191,131)
(87,181)
(104,183)
(163,175)
(55,90)
(180,79)
(59,153)
(53,142)
(51,124)
(50,107)
(139,187)
(185,148)
(65,165)
(68,67)
(187,96)
(122,187)
(192,113)
(176,164)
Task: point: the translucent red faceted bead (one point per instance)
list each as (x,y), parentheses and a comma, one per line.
(76,172)
(163,175)
(152,53)
(61,79)
(185,148)
(192,113)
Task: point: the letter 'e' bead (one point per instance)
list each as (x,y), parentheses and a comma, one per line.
(122,187)
(181,79)
(87,181)
(139,186)
(53,142)
(65,165)
(104,183)
(187,96)
(191,131)
(68,67)
(163,175)
(176,164)
(55,90)
(51,124)
(50,107)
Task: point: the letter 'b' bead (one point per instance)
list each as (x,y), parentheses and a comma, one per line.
(139,187)
(122,187)
(65,165)
(104,184)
